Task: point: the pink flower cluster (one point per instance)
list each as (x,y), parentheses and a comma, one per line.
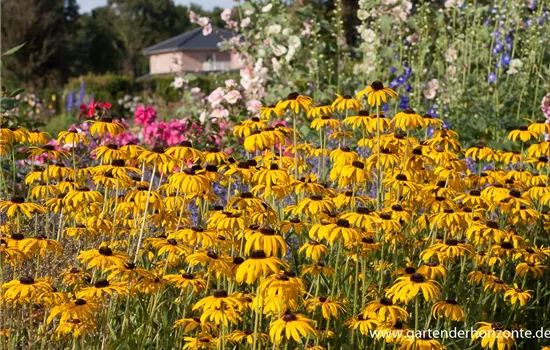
(145,115)
(171,133)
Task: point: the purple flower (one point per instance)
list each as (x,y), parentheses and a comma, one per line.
(393,70)
(505,59)
(70,103)
(408,88)
(492,77)
(385,107)
(404,103)
(81,94)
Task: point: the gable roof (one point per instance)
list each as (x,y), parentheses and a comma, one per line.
(191,40)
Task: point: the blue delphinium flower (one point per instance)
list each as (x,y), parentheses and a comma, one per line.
(393,70)
(505,59)
(81,93)
(385,107)
(404,102)
(70,103)
(492,77)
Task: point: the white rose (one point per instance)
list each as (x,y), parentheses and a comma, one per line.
(429,94)
(294,42)
(273,29)
(362,15)
(433,84)
(279,50)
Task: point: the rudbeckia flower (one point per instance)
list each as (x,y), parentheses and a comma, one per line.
(48,150)
(17,205)
(258,264)
(319,111)
(292,325)
(103,258)
(345,103)
(101,289)
(448,308)
(104,126)
(24,290)
(492,334)
(271,110)
(406,288)
(82,309)
(523,133)
(329,308)
(186,281)
(384,310)
(296,103)
(72,137)
(376,93)
(407,120)
(518,295)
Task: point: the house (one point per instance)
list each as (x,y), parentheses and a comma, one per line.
(192,51)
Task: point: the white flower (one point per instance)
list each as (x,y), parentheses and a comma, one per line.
(294,42)
(362,15)
(248,12)
(232,96)
(368,35)
(245,22)
(276,65)
(516,63)
(226,15)
(286,31)
(207,29)
(195,90)
(451,70)
(178,82)
(229,83)
(512,71)
(202,117)
(433,84)
(202,21)
(273,29)
(290,54)
(451,55)
(279,50)
(193,17)
(429,94)
(267,8)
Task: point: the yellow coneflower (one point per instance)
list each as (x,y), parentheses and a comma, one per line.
(292,325)
(17,205)
(377,93)
(345,102)
(448,308)
(492,334)
(103,258)
(384,310)
(24,290)
(258,264)
(186,281)
(271,110)
(364,324)
(295,102)
(523,133)
(518,295)
(329,308)
(72,137)
(406,288)
(104,126)
(319,111)
(408,119)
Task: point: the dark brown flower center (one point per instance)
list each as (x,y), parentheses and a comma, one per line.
(105,251)
(257,254)
(417,278)
(27,280)
(220,293)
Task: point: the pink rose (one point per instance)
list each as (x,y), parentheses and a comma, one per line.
(207,29)
(220,113)
(226,15)
(216,97)
(232,96)
(253,106)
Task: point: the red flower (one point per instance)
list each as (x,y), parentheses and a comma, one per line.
(89,110)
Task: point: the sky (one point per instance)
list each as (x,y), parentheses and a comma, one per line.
(87,5)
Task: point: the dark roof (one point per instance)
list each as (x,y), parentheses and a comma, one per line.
(191,40)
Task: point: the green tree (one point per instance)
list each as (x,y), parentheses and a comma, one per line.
(46,26)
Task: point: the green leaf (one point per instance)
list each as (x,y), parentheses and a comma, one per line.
(8,103)
(190,77)
(13,50)
(16,92)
